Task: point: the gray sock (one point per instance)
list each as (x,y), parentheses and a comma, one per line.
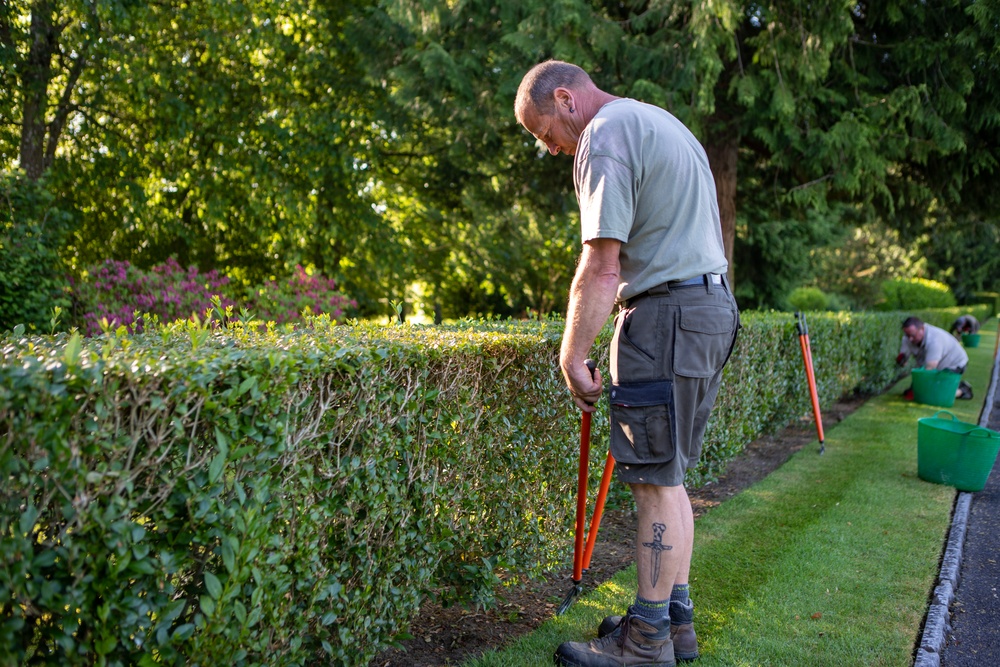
(681,593)
(655,612)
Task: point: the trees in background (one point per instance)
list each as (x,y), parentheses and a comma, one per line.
(374,141)
(816,118)
(234,136)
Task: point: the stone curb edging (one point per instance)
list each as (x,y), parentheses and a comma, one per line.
(938,622)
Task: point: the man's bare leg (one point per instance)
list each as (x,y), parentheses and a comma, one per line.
(664,539)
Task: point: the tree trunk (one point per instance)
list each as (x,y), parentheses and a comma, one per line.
(722,155)
(35,87)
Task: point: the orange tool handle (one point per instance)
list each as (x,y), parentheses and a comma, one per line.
(581,497)
(810,375)
(595,522)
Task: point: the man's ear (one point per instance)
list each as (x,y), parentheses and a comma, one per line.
(564,98)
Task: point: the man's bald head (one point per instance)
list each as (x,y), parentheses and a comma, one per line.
(539,84)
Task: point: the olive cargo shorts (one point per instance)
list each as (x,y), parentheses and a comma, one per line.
(667,356)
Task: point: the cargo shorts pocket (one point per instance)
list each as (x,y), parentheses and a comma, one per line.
(642,422)
(703,339)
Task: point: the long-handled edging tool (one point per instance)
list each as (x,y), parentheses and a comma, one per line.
(800,324)
(583,546)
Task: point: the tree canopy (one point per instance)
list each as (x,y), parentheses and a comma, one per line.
(373,141)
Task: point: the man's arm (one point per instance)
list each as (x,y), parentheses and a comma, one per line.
(904,352)
(933,349)
(591,299)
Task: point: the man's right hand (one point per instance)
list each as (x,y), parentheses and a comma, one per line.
(901,359)
(585,387)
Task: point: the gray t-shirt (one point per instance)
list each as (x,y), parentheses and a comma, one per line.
(938,345)
(642,178)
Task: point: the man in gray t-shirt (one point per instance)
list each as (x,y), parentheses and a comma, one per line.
(933,348)
(652,247)
(966,324)
(629,160)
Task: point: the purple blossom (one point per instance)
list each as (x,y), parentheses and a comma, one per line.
(117,289)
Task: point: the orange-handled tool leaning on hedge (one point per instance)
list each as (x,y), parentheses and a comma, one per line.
(800,324)
(583,546)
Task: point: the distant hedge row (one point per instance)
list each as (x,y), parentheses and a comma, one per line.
(202,495)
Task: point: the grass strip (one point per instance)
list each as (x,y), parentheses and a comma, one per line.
(828,561)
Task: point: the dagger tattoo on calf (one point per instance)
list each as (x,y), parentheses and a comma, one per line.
(657,547)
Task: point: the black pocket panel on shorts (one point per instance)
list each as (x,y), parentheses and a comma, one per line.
(702,340)
(642,422)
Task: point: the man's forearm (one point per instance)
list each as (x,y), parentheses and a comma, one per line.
(591,300)
(589,307)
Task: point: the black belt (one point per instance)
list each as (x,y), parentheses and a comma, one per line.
(703,280)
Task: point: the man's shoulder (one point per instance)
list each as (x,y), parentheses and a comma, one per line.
(626,109)
(630,123)
(936,329)
(938,336)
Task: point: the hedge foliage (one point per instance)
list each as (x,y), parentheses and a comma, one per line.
(197,494)
(915,293)
(808,298)
(991,299)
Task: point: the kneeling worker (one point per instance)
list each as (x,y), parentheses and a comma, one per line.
(933,348)
(966,324)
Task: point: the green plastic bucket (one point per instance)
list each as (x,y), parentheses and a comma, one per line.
(970,340)
(934,387)
(953,452)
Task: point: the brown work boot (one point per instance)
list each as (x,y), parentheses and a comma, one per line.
(681,629)
(634,643)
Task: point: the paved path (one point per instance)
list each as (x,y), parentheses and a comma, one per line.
(963,619)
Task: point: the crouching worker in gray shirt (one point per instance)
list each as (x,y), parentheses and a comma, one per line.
(933,348)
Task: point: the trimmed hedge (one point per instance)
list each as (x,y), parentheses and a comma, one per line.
(195,495)
(808,298)
(915,293)
(990,299)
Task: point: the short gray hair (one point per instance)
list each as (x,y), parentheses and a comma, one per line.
(539,83)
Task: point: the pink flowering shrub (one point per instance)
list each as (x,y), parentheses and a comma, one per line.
(285,301)
(115,291)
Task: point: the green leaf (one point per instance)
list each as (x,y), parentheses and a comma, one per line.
(213,586)
(247,384)
(207,606)
(45,558)
(105,646)
(28,519)
(71,355)
(221,441)
(228,556)
(216,466)
(172,611)
(240,611)
(183,632)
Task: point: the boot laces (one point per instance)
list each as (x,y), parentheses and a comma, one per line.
(624,626)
